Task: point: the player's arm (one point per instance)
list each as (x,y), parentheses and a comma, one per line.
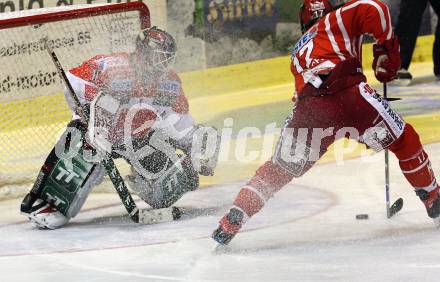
(83,80)
(202,142)
(78,85)
(179,123)
(373,18)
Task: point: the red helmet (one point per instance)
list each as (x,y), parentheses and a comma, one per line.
(312,10)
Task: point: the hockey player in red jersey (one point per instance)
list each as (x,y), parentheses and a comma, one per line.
(331,96)
(138,112)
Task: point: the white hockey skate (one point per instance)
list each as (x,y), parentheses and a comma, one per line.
(45,216)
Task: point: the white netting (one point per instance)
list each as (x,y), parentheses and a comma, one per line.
(32,106)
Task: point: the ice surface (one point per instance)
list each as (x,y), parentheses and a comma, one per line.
(307,232)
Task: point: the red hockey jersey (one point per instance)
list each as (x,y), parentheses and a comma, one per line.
(336,37)
(114,75)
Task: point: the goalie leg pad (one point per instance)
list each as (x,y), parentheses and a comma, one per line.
(178,179)
(63,183)
(69,185)
(71,179)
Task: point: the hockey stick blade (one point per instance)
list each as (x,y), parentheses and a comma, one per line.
(154,216)
(396,207)
(393,99)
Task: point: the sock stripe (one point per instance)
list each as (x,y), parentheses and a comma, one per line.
(415,156)
(258,193)
(428,188)
(426,162)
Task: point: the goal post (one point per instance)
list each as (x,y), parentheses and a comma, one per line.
(33,110)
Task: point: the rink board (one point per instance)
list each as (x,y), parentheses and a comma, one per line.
(237,88)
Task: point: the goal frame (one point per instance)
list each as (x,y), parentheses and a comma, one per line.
(19,181)
(54,16)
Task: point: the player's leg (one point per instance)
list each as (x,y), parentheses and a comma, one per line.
(416,167)
(298,149)
(63,183)
(309,131)
(380,127)
(407,30)
(436,48)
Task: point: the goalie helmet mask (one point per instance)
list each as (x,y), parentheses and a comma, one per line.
(155,51)
(312,10)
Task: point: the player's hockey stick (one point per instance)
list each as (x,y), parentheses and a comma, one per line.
(393,99)
(146,216)
(107,161)
(398,204)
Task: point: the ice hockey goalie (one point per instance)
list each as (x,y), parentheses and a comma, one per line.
(138,112)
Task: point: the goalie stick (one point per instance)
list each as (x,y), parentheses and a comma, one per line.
(398,204)
(147,216)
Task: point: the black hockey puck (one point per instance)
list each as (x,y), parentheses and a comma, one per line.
(362,216)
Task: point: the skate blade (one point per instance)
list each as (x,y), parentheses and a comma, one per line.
(436,221)
(221,249)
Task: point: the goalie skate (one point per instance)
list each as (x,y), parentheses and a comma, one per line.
(45,216)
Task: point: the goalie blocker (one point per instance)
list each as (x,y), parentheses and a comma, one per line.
(68,175)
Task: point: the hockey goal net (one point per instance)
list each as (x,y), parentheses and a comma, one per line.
(32,105)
